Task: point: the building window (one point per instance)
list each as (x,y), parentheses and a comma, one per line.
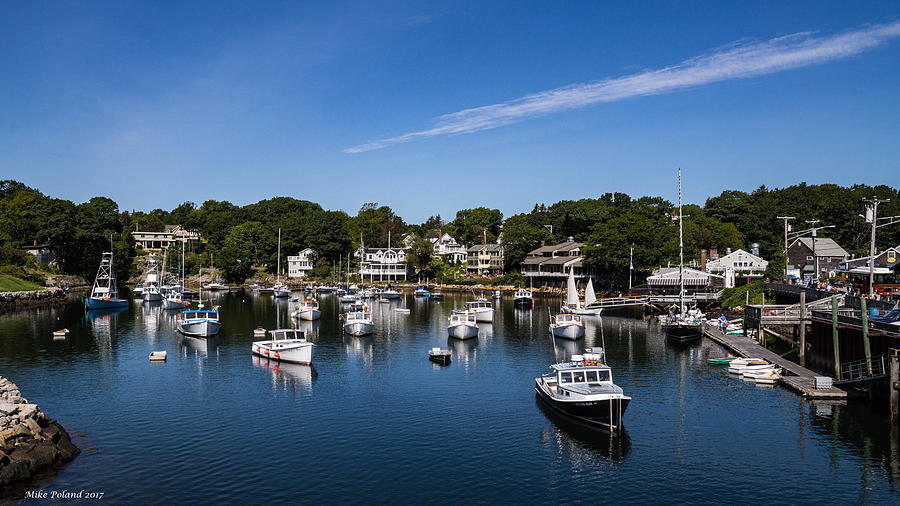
(809,258)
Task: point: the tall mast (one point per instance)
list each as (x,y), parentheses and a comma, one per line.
(680,249)
(278,272)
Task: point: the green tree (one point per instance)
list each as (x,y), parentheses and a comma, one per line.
(520,237)
(474,226)
(419,254)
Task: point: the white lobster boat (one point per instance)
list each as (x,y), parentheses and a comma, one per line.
(199,322)
(390,293)
(307,310)
(358,323)
(567,326)
(483,309)
(463,325)
(286,345)
(152,291)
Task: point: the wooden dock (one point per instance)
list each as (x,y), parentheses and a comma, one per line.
(796,378)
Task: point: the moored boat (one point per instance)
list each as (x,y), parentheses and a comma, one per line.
(583,389)
(286,345)
(523,299)
(307,310)
(483,309)
(199,322)
(104,292)
(390,293)
(439,356)
(685,325)
(567,326)
(720,361)
(358,323)
(421,291)
(463,325)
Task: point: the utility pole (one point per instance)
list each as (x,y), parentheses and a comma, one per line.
(815,257)
(874,201)
(786,219)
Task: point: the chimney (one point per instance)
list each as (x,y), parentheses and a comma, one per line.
(713,253)
(703,260)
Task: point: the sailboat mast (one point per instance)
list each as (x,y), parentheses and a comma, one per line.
(680,249)
(278,271)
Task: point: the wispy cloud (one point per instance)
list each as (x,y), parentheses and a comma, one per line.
(739,60)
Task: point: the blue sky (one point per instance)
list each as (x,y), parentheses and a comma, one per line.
(434,107)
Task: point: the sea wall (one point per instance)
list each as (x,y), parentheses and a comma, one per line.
(13,300)
(29,441)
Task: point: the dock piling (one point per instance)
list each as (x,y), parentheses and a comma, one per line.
(834,332)
(894,382)
(803,329)
(864,317)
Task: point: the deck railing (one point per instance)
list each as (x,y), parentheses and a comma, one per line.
(863,370)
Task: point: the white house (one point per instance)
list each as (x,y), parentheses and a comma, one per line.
(302,263)
(381,264)
(738,264)
(171,234)
(445,246)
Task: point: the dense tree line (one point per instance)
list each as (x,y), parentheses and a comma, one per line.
(244,238)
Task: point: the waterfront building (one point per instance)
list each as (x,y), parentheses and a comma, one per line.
(446,247)
(817,260)
(738,267)
(484,260)
(155,241)
(383,264)
(550,265)
(300,264)
(665,281)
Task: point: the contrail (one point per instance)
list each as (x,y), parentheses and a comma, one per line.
(737,61)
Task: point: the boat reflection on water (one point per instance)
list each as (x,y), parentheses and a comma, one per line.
(287,376)
(580,443)
(103,324)
(310,328)
(199,346)
(565,348)
(359,347)
(464,351)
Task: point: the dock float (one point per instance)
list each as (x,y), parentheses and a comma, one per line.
(796,378)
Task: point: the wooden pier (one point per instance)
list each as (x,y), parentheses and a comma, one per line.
(795,377)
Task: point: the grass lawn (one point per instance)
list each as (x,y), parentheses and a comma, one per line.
(11,284)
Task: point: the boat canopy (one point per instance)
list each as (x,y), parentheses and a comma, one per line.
(283,334)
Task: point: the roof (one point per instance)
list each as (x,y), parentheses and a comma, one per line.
(486,247)
(825,246)
(738,253)
(880,259)
(563,246)
(669,276)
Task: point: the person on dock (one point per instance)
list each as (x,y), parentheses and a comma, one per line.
(723,321)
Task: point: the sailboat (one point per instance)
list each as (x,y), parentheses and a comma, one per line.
(104,293)
(175,297)
(573,304)
(280,289)
(682,326)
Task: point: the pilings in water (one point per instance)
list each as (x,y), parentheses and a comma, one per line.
(803,317)
(894,382)
(837,343)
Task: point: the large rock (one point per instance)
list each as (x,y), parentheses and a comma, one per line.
(13,472)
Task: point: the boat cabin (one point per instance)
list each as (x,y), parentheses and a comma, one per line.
(200,314)
(358,306)
(584,375)
(354,316)
(462,317)
(479,304)
(287,335)
(567,318)
(309,304)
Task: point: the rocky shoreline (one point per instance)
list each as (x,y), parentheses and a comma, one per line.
(15,300)
(30,442)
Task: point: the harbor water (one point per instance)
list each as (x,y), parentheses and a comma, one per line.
(374,421)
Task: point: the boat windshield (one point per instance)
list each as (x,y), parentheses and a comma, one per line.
(585,376)
(287,334)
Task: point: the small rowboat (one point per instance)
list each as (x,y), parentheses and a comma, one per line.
(402,310)
(158,356)
(439,356)
(765,377)
(259,332)
(61,334)
(721,361)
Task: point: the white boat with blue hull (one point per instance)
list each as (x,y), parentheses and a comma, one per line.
(583,389)
(285,345)
(104,293)
(199,322)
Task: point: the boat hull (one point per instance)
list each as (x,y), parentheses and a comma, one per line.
(581,311)
(199,328)
(463,331)
(152,296)
(485,315)
(523,302)
(299,352)
(174,304)
(681,332)
(440,358)
(606,412)
(390,295)
(281,293)
(568,331)
(359,328)
(308,314)
(96,303)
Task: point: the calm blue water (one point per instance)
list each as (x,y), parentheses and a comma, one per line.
(373,421)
